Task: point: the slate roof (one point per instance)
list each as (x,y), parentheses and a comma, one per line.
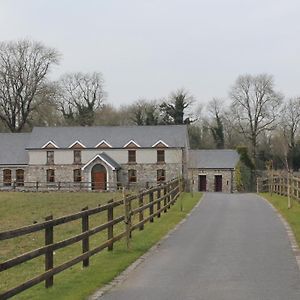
(106,158)
(111,161)
(213,159)
(12,148)
(116,136)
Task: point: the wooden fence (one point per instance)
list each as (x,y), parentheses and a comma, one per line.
(149,204)
(285,184)
(61,186)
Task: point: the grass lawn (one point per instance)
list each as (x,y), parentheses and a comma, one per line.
(291,215)
(18,209)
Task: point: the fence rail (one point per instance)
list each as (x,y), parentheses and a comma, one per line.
(285,184)
(154,201)
(37,186)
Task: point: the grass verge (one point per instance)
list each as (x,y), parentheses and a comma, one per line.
(77,283)
(292,215)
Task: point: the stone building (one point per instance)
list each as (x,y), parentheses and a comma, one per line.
(13,158)
(100,158)
(107,157)
(213,170)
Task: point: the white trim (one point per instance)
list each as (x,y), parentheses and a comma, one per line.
(102,159)
(105,142)
(131,141)
(50,142)
(77,142)
(160,142)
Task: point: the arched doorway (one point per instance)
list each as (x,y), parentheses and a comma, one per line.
(99,177)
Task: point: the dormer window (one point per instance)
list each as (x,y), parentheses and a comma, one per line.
(160,144)
(77,145)
(77,156)
(103,144)
(50,157)
(50,145)
(132,144)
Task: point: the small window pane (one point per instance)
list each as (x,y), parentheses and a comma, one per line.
(20,177)
(161,175)
(132,176)
(7,177)
(77,175)
(50,157)
(50,176)
(160,156)
(77,156)
(131,156)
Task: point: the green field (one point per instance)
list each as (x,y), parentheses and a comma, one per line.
(19,209)
(291,215)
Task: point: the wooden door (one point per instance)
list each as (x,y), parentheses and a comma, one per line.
(218,183)
(99,180)
(202,183)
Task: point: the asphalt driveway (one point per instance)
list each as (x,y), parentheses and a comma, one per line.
(233,247)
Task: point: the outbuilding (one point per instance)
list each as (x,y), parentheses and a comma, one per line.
(213,170)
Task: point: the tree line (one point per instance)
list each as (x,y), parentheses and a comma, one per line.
(255,117)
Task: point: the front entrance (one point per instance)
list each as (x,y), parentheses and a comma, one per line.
(218,183)
(99,177)
(202,183)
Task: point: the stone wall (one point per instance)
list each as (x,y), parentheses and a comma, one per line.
(148,172)
(228,179)
(63,173)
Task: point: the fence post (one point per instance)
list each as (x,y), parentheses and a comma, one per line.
(158,203)
(110,229)
(151,208)
(279,184)
(165,198)
(169,188)
(173,193)
(85,241)
(49,253)
(288,191)
(127,221)
(141,213)
(37,186)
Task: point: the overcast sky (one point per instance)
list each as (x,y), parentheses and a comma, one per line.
(148,48)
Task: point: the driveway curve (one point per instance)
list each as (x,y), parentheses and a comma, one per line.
(232,247)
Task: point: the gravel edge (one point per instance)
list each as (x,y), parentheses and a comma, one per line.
(289,231)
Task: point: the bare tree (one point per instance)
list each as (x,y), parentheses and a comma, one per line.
(255,106)
(216,110)
(290,120)
(24,66)
(174,109)
(80,96)
(145,112)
